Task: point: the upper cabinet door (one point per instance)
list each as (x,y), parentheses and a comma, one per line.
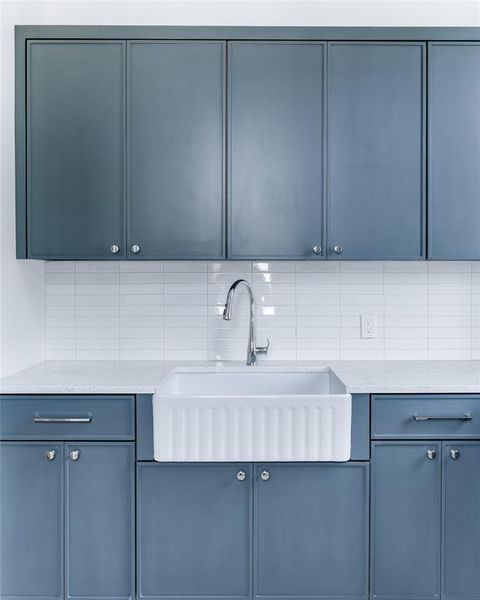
(454,151)
(376,151)
(276,115)
(75,149)
(176,136)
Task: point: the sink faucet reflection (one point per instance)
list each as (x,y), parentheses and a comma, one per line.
(252,349)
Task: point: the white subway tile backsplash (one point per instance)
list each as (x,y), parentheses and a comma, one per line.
(153,310)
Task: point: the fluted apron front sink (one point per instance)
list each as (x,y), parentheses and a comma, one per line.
(252,416)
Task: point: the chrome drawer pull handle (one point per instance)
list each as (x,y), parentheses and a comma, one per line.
(442,418)
(62,419)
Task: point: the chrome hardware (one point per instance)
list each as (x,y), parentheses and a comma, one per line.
(252,349)
(62,419)
(264,475)
(135,249)
(241,476)
(317,249)
(431,454)
(75,454)
(455,454)
(50,454)
(338,249)
(442,417)
(114,249)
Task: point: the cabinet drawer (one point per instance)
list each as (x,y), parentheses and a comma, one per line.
(67,417)
(426,417)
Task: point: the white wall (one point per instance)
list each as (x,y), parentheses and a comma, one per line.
(22,286)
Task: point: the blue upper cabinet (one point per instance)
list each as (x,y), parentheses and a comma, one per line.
(375,151)
(75,149)
(454,151)
(176,137)
(276,135)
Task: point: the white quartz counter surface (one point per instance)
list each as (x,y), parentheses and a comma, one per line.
(144,377)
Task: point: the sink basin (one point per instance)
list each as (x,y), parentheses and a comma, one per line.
(252,416)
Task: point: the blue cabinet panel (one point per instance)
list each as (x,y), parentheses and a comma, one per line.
(275,172)
(454,151)
(176,96)
(311,530)
(376,150)
(31,521)
(461,521)
(99,520)
(406,521)
(193,531)
(75,153)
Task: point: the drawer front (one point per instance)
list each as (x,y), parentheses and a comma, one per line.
(53,417)
(426,417)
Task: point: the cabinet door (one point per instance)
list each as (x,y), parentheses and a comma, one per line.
(75,131)
(176,140)
(99,520)
(31,521)
(461,521)
(376,150)
(311,530)
(193,531)
(276,114)
(453,151)
(405,534)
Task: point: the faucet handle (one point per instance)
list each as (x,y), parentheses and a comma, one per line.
(263,349)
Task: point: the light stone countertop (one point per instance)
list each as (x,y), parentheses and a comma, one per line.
(144,377)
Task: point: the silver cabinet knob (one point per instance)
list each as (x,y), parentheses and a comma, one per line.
(317,249)
(50,454)
(431,454)
(455,454)
(135,249)
(264,475)
(241,476)
(114,249)
(338,249)
(75,454)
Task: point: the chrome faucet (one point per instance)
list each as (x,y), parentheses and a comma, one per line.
(252,349)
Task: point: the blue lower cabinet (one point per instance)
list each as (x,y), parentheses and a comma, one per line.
(406,520)
(311,530)
(194,530)
(31,521)
(461,521)
(99,520)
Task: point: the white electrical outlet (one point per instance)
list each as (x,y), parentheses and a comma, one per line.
(368,326)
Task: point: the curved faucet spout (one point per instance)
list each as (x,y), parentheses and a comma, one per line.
(252,349)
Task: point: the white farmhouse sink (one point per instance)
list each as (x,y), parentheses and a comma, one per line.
(252,416)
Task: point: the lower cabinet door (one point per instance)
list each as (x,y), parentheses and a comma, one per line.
(99,520)
(461,521)
(406,520)
(31,521)
(311,530)
(194,530)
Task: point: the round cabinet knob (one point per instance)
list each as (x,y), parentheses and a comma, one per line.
(317,249)
(431,454)
(241,476)
(338,249)
(114,249)
(135,249)
(264,475)
(75,454)
(50,454)
(455,454)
